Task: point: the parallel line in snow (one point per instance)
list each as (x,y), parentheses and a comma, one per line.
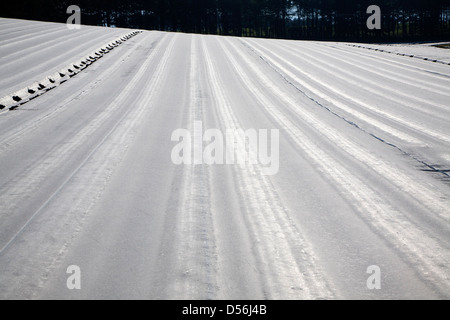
(48,64)
(416,56)
(393,64)
(428,255)
(24,37)
(195,244)
(371,65)
(11,30)
(12,137)
(368,68)
(388,129)
(97,175)
(431,198)
(33,178)
(287,263)
(24,44)
(363,83)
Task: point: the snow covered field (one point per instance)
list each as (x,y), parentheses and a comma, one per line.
(87,179)
(429,51)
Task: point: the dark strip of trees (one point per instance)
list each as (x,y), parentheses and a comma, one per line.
(402,20)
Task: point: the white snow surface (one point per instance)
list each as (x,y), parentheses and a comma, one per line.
(86,176)
(428,51)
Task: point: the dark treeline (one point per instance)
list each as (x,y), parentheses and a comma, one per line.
(402,20)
